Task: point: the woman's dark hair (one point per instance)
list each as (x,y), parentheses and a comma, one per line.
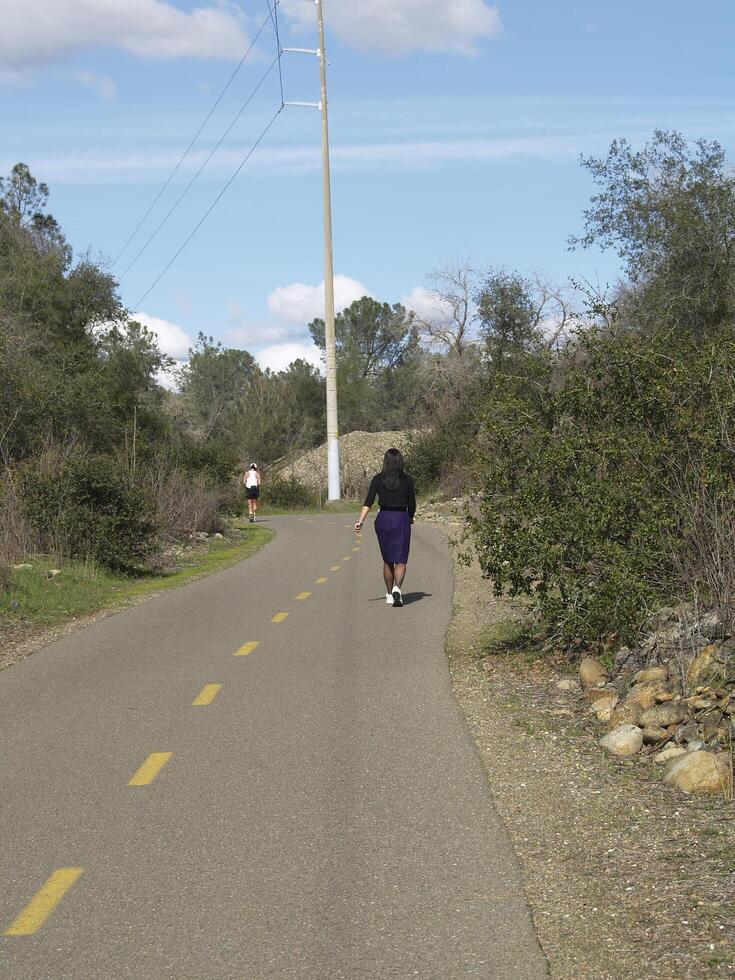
(392,473)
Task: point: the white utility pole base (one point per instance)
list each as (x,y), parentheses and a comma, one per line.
(334,492)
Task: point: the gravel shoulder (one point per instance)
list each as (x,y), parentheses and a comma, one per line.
(625,877)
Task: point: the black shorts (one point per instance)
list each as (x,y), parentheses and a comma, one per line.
(252,493)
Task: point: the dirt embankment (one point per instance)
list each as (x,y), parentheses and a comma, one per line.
(626,879)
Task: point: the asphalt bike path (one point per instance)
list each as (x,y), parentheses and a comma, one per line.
(260,775)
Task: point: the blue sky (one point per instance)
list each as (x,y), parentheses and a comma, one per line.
(456,129)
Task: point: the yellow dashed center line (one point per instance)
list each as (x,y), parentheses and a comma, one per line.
(303,595)
(207,694)
(321,581)
(334,568)
(347,558)
(246,648)
(150,768)
(355,549)
(279,617)
(44,902)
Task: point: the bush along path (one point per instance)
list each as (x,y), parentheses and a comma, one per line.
(627,878)
(41,600)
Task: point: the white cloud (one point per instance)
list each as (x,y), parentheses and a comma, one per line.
(279,356)
(247,334)
(102,84)
(35,32)
(247,337)
(93,166)
(301,303)
(405,26)
(172,339)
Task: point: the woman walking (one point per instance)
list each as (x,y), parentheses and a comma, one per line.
(397,499)
(252,490)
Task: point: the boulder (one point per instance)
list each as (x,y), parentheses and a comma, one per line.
(700,772)
(53,573)
(649,674)
(687,732)
(695,745)
(700,703)
(670,752)
(710,723)
(642,694)
(653,735)
(595,693)
(726,732)
(665,714)
(658,690)
(23,567)
(627,713)
(604,707)
(591,672)
(625,740)
(568,684)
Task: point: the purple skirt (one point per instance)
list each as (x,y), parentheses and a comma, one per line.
(393,528)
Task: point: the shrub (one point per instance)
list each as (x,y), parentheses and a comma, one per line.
(704,554)
(579,459)
(289,494)
(17,537)
(439,459)
(90,508)
(216,462)
(184,502)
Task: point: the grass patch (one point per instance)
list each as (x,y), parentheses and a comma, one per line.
(508,636)
(32,599)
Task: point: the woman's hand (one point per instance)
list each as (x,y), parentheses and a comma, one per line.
(358,527)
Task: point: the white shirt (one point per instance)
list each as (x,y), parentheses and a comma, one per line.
(251,480)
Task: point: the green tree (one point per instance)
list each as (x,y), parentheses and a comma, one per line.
(214,386)
(377,350)
(309,392)
(508,316)
(668,211)
(370,336)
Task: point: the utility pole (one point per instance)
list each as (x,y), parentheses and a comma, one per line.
(333,480)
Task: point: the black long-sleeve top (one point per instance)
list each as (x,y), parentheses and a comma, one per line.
(404,494)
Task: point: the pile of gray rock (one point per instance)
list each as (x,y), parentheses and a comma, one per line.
(671,700)
(360,456)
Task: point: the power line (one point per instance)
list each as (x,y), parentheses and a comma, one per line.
(196,136)
(274,17)
(210,208)
(214,149)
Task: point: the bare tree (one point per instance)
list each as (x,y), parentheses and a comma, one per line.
(449,325)
(553,311)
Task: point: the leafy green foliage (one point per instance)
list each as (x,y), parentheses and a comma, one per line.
(508,316)
(287,494)
(668,210)
(377,355)
(579,460)
(90,508)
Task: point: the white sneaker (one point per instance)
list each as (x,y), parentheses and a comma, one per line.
(389,598)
